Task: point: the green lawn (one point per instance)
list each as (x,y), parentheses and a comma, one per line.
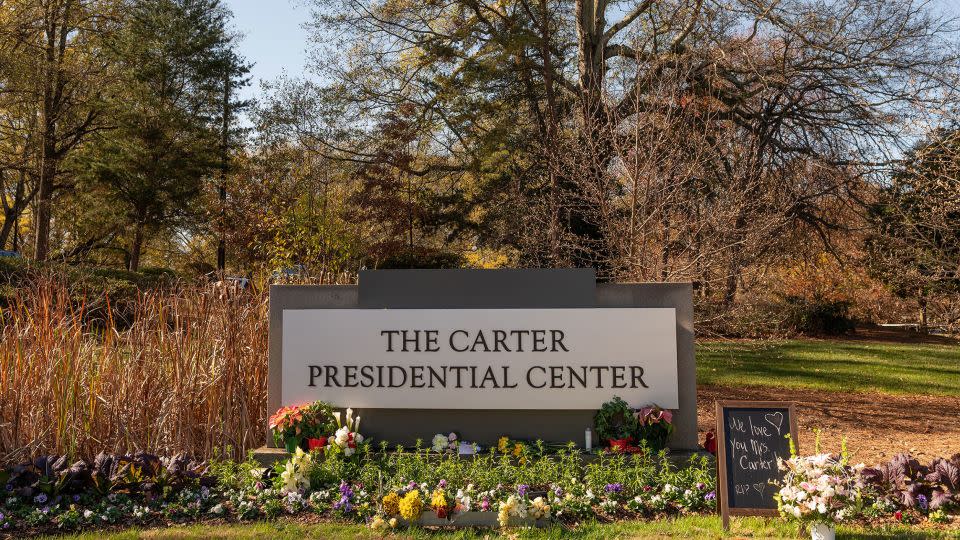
(685,527)
(832,365)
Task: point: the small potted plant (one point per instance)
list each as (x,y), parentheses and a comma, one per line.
(302,426)
(616,424)
(654,425)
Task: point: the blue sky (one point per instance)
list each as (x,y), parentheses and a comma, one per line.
(272,37)
(275,41)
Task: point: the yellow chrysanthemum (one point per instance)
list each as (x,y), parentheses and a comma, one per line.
(439,499)
(411,505)
(391,504)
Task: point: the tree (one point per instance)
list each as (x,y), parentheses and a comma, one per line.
(18,185)
(819,91)
(56,72)
(178,59)
(915,248)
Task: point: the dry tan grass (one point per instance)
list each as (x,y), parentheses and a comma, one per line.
(188,375)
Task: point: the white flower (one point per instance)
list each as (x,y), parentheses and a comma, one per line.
(295,473)
(217,510)
(87,513)
(439,443)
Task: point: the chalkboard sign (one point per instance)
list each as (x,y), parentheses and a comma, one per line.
(751,436)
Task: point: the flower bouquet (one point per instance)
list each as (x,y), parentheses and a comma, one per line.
(654,425)
(818,490)
(520,506)
(445,443)
(443,501)
(347,437)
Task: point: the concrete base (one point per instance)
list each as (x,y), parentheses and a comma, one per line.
(267,455)
(476,519)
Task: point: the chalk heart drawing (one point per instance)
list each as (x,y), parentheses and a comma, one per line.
(760,487)
(775,420)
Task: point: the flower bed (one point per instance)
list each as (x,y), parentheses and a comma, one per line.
(50,494)
(512,483)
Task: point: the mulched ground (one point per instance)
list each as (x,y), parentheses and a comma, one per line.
(876,426)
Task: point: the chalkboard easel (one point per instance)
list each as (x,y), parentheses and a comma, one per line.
(751,435)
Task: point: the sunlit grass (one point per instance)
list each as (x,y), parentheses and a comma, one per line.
(683,527)
(832,365)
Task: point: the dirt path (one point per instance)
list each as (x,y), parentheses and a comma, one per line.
(876,426)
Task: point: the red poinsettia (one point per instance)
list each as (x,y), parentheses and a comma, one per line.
(710,442)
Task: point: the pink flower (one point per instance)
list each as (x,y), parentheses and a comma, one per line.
(668,416)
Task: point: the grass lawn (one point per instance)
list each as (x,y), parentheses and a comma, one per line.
(685,527)
(862,366)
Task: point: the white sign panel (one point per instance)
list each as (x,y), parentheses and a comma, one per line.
(480,358)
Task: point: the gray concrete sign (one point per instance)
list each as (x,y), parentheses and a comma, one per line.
(558,296)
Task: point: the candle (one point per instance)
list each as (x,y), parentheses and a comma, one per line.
(587,439)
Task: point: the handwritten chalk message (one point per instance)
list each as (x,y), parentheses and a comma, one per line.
(753,439)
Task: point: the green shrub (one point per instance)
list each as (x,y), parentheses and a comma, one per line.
(818,316)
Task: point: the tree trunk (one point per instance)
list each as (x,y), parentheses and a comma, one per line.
(551,128)
(225,160)
(733,278)
(45,183)
(48,130)
(9,218)
(41,246)
(136,248)
(595,153)
(922,300)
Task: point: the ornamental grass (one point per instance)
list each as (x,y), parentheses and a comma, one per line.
(175,370)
